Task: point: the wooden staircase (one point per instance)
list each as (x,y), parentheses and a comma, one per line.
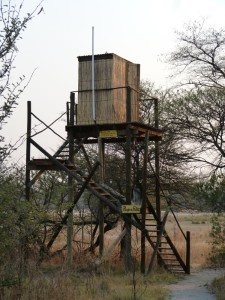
(163,248)
(156,235)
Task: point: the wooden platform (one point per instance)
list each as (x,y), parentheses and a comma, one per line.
(116,132)
(46,164)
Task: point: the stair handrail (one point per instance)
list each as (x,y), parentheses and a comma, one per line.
(178,224)
(167,200)
(159,236)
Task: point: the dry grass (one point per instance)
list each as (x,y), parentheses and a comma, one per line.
(218,287)
(60,284)
(87,281)
(199,226)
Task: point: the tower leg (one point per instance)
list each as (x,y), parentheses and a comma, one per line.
(69,257)
(128,201)
(144,195)
(28,151)
(101,206)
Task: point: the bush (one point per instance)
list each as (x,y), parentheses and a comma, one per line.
(218,287)
(217,256)
(209,195)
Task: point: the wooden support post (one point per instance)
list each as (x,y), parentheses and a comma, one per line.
(157,183)
(69,257)
(28,151)
(128,105)
(188,253)
(110,249)
(128,201)
(128,183)
(144,195)
(67,113)
(101,205)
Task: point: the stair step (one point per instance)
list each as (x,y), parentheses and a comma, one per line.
(104,194)
(161,242)
(164,248)
(173,265)
(165,253)
(170,259)
(92,184)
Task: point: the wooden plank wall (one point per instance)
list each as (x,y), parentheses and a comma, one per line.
(110,105)
(119,95)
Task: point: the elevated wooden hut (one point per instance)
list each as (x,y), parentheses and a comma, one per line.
(113,74)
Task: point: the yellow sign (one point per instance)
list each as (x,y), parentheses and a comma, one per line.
(131,209)
(108,134)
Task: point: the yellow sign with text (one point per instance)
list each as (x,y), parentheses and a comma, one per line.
(131,209)
(108,134)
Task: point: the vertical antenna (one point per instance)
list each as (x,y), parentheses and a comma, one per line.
(93,78)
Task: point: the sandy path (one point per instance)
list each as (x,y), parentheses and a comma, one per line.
(194,286)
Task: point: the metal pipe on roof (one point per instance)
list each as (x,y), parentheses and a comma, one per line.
(93,79)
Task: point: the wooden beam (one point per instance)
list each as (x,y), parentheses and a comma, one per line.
(143,217)
(101,204)
(28,151)
(69,257)
(128,201)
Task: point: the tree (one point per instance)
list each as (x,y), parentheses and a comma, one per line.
(12,25)
(18,220)
(210,193)
(196,113)
(197,119)
(175,180)
(200,55)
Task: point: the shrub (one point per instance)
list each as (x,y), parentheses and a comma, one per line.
(217,256)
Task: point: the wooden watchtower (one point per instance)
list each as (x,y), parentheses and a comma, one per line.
(114,120)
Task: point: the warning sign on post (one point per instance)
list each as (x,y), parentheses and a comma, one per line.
(131,209)
(108,134)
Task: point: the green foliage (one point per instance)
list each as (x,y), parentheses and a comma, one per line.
(210,194)
(217,256)
(13,22)
(72,285)
(12,228)
(27,226)
(218,287)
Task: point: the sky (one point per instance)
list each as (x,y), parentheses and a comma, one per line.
(141,31)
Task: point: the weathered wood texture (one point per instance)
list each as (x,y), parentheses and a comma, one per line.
(115,74)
